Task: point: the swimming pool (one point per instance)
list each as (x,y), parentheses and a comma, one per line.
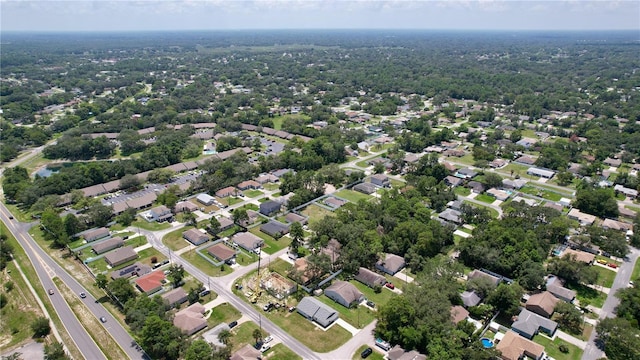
(486,343)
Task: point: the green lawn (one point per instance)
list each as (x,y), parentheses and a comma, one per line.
(202,264)
(136,241)
(252,193)
(636,271)
(281,352)
(545,194)
(316,213)
(380,299)
(462,191)
(277,122)
(359,316)
(374,356)
(552,348)
(352,196)
(271,245)
(174,239)
(494,213)
(485,198)
(271,186)
(605,276)
(588,296)
(223,313)
(229,232)
(234,200)
(151,226)
(280,266)
(243,334)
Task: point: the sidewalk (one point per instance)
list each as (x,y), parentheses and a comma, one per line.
(571,339)
(347,327)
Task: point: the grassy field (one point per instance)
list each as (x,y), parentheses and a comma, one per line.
(587,295)
(352,196)
(281,352)
(636,271)
(271,186)
(136,241)
(605,276)
(545,194)
(271,245)
(374,356)
(252,193)
(462,191)
(151,226)
(223,313)
(380,299)
(316,213)
(202,264)
(280,266)
(485,198)
(243,334)
(174,239)
(359,316)
(552,348)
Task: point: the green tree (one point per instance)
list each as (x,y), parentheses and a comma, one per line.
(257,335)
(596,201)
(225,337)
(199,350)
(240,216)
(72,225)
(569,318)
(55,351)
(176,274)
(506,298)
(53,228)
(160,339)
(122,290)
(126,217)
(6,251)
(620,339)
(40,327)
(297,235)
(190,219)
(3,300)
(492,180)
(101,281)
(214,225)
(130,182)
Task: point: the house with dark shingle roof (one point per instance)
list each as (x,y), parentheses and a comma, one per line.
(315,310)
(391,264)
(275,229)
(344,293)
(370,278)
(195,236)
(458,314)
(269,207)
(528,324)
(470,298)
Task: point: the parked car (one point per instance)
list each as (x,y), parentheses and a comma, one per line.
(601,261)
(371,304)
(265,348)
(292,308)
(267,307)
(612,265)
(383,344)
(233,324)
(366,352)
(268,339)
(390,285)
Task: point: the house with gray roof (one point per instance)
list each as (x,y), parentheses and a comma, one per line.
(120,256)
(548,174)
(556,287)
(365,188)
(451,215)
(174,297)
(315,310)
(205,199)
(247,241)
(275,229)
(344,293)
(195,236)
(93,235)
(370,278)
(160,213)
(270,207)
(528,324)
(380,180)
(107,245)
(293,217)
(391,264)
(470,298)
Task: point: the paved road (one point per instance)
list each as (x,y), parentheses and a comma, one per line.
(591,352)
(46,269)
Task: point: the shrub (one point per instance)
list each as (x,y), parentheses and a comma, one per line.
(154,260)
(563,348)
(8,286)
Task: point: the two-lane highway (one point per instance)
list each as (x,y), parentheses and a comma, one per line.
(46,268)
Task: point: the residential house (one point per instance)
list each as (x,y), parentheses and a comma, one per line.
(249,184)
(281,172)
(314,310)
(528,324)
(370,278)
(137,269)
(498,163)
(174,297)
(191,319)
(344,293)
(584,219)
(160,213)
(498,194)
(547,174)
(222,252)
(269,207)
(555,286)
(515,347)
(380,180)
(451,215)
(391,264)
(247,241)
(453,181)
(458,314)
(295,218)
(616,225)
(365,188)
(205,199)
(543,303)
(151,282)
(526,142)
(481,274)
(398,353)
(470,298)
(278,286)
(275,229)
(631,193)
(186,206)
(96,234)
(120,256)
(578,255)
(246,352)
(475,186)
(228,191)
(612,162)
(267,178)
(225,223)
(333,202)
(526,160)
(107,245)
(332,250)
(513,184)
(466,173)
(195,236)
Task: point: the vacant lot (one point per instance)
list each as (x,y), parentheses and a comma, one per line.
(605,276)
(352,196)
(174,239)
(316,213)
(223,313)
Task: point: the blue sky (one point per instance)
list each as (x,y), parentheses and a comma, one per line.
(104,15)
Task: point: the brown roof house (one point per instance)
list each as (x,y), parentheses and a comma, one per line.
(478,273)
(195,236)
(191,319)
(398,353)
(120,256)
(370,278)
(578,255)
(175,297)
(108,245)
(542,304)
(391,264)
(96,234)
(458,313)
(515,347)
(247,241)
(222,252)
(186,206)
(228,191)
(344,293)
(246,352)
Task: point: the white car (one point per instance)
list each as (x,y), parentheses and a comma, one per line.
(268,339)
(265,348)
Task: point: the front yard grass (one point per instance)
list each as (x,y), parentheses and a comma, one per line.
(243,334)
(151,226)
(551,347)
(374,356)
(461,191)
(605,276)
(174,239)
(352,196)
(485,198)
(232,200)
(281,267)
(271,245)
(358,316)
(208,268)
(252,193)
(281,352)
(380,299)
(223,313)
(588,296)
(636,271)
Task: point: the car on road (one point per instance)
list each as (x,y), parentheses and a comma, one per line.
(103,319)
(10,217)
(265,348)
(390,285)
(268,339)
(83,295)
(366,352)
(51,292)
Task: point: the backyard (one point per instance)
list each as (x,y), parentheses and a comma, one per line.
(316,213)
